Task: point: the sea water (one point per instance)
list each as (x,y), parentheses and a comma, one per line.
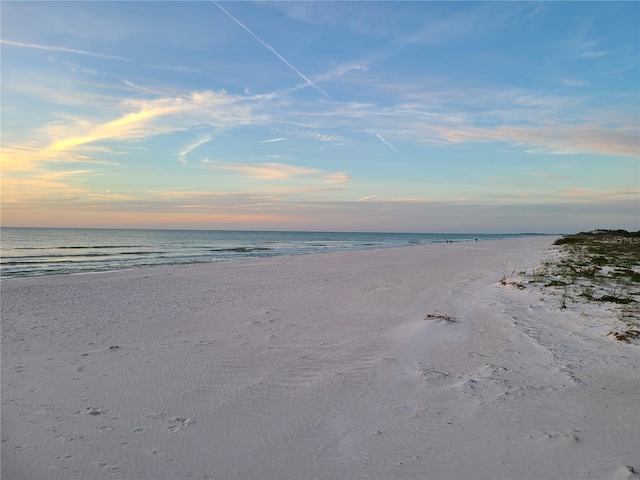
(44,251)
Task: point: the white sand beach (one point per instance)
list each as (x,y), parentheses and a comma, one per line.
(315,367)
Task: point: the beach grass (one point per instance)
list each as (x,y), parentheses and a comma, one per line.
(602,266)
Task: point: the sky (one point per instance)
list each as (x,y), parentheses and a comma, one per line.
(323,116)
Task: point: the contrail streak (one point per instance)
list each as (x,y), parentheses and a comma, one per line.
(386,143)
(52,48)
(273,50)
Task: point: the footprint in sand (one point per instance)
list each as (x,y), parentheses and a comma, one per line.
(94,411)
(112,468)
(154,416)
(178,422)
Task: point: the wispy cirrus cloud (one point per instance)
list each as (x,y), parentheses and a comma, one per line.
(585,47)
(182,155)
(375,198)
(153,117)
(383,20)
(73,139)
(26,158)
(281,171)
(591,195)
(443,114)
(342,70)
(55,188)
(367,197)
(558,139)
(269,171)
(130,125)
(321,137)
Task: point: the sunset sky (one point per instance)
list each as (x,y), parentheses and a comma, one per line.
(342,116)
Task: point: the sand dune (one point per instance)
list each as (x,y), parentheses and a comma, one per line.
(319,366)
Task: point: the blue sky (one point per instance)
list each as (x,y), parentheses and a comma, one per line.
(346,116)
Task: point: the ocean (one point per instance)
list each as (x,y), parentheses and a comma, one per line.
(47,251)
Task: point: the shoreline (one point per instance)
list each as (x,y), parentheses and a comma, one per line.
(314,366)
(77,251)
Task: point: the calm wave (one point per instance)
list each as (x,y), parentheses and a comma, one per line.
(46,251)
